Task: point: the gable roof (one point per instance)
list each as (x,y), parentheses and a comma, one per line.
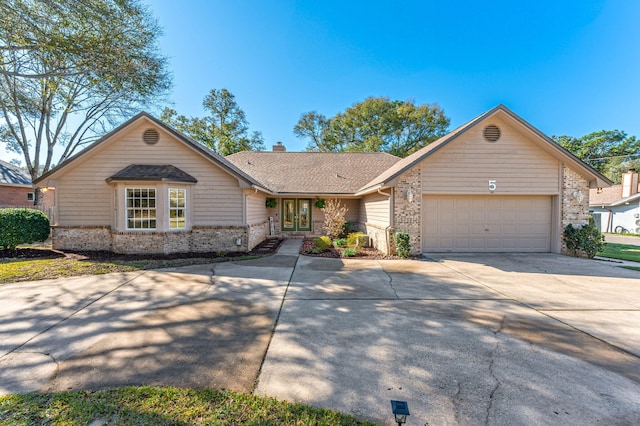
(313,172)
(404,165)
(153,172)
(610,197)
(203,150)
(13,176)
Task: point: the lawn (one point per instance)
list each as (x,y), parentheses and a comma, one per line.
(621,251)
(161,406)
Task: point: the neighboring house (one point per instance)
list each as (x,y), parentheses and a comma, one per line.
(495,184)
(617,208)
(15,186)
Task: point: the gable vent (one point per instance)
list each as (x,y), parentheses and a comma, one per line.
(491,133)
(151,136)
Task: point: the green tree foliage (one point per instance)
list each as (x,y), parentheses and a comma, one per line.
(70,69)
(22,226)
(375,124)
(225,130)
(611,152)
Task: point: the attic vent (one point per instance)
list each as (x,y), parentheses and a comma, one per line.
(491,133)
(151,136)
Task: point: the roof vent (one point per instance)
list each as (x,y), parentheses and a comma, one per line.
(151,136)
(491,133)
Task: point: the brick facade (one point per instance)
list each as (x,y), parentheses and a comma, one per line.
(407,208)
(199,239)
(575,201)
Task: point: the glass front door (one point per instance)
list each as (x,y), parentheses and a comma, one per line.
(296,214)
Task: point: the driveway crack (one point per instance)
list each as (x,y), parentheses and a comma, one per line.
(492,372)
(395,292)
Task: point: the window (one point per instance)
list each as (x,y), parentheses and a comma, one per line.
(30,196)
(177,208)
(141,208)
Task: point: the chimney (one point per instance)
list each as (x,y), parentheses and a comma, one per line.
(278,147)
(629,183)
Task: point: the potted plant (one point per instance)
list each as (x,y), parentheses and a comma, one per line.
(271,203)
(319,203)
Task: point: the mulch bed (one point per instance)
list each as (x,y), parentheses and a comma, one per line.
(266,247)
(364,253)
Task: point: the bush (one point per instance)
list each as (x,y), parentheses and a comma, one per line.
(347,228)
(334,221)
(356,240)
(323,243)
(340,242)
(349,252)
(22,226)
(584,241)
(401,241)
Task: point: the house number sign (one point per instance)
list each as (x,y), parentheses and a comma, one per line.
(492,185)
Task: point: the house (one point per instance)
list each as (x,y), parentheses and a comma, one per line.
(617,208)
(495,184)
(16,189)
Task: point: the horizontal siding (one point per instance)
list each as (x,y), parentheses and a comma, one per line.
(352,214)
(256,209)
(375,210)
(86,199)
(466,165)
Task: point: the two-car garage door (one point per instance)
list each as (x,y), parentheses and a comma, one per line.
(491,223)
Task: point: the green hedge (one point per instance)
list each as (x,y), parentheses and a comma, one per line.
(585,241)
(22,226)
(401,241)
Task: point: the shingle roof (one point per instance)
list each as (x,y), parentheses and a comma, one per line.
(12,175)
(611,196)
(153,172)
(313,172)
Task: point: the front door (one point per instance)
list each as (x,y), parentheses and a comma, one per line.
(296,214)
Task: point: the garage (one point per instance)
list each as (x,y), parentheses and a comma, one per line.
(493,223)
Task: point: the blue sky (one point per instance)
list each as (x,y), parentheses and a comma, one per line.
(567,67)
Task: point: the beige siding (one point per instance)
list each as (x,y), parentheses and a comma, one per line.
(515,162)
(352,215)
(374,209)
(86,199)
(256,209)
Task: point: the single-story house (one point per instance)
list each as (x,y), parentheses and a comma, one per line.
(495,184)
(16,189)
(617,208)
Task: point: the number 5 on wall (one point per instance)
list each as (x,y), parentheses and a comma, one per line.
(492,185)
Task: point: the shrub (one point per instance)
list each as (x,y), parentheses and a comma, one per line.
(334,221)
(347,228)
(320,203)
(340,242)
(22,226)
(356,240)
(584,241)
(349,252)
(323,243)
(401,241)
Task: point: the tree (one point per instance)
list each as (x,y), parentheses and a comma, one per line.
(334,220)
(375,124)
(71,69)
(610,152)
(225,130)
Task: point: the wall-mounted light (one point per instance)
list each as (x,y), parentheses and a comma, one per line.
(599,190)
(409,195)
(578,195)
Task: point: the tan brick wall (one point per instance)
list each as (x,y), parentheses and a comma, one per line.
(575,201)
(407,212)
(81,238)
(199,239)
(257,234)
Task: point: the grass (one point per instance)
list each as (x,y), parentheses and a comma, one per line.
(621,251)
(15,270)
(146,405)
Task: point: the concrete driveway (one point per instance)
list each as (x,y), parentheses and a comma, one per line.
(465,339)
(199,326)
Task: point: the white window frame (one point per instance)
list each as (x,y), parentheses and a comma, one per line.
(148,209)
(178,219)
(31,196)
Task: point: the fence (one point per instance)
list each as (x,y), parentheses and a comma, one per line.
(50,211)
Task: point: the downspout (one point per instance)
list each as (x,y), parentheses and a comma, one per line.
(391,220)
